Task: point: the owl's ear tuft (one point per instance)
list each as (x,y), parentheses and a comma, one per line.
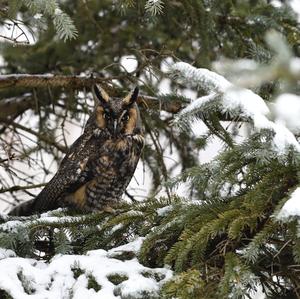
(131,97)
(100,94)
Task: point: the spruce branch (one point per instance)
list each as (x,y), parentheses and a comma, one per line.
(40,10)
(63,23)
(234,100)
(154,7)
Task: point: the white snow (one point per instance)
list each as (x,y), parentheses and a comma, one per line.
(57,11)
(129,63)
(205,78)
(133,246)
(196,104)
(3,216)
(164,211)
(38,16)
(287,109)
(5,253)
(291,207)
(234,98)
(12,225)
(294,66)
(296,7)
(134,286)
(56,279)
(117,227)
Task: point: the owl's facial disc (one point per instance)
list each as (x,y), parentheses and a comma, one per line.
(117,115)
(116,121)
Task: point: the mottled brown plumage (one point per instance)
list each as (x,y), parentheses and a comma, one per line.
(100,164)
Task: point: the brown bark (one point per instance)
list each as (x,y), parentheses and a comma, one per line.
(15,106)
(48,80)
(12,107)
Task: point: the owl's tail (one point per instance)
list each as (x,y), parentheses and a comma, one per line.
(24,209)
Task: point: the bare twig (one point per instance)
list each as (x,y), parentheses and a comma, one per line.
(18,35)
(41,137)
(159,152)
(18,188)
(14,40)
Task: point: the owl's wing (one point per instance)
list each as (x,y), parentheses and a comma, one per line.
(71,174)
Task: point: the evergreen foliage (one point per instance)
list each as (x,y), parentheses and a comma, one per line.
(225,239)
(206,30)
(36,16)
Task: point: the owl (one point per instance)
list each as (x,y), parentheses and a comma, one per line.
(100,164)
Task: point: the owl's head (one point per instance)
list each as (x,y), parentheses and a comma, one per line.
(118,116)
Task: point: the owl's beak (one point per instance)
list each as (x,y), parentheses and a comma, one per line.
(115,127)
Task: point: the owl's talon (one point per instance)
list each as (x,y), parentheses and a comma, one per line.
(109,210)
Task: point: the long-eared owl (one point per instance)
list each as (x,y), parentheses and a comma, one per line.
(100,164)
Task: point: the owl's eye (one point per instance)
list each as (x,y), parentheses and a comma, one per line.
(106,116)
(125,117)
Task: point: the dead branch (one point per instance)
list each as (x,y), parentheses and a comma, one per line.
(18,188)
(48,80)
(156,104)
(14,40)
(12,107)
(41,137)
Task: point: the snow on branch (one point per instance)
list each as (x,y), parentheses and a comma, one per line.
(233,99)
(111,276)
(204,78)
(287,109)
(292,207)
(249,73)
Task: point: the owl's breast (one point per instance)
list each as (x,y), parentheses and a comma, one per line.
(112,167)
(117,154)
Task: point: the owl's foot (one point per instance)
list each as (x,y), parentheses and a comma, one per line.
(109,210)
